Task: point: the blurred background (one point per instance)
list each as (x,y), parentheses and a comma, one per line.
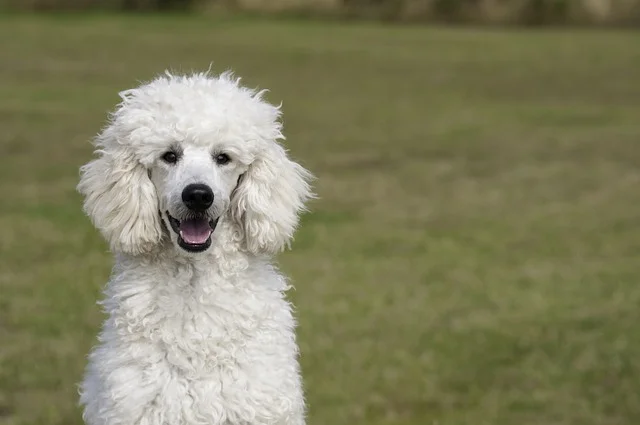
(473,257)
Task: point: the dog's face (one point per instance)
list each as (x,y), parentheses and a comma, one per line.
(191,152)
(194,184)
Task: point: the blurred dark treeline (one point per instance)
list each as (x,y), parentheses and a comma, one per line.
(532,12)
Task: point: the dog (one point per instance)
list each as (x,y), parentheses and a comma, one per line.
(195,195)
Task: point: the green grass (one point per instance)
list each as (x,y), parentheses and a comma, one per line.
(472,260)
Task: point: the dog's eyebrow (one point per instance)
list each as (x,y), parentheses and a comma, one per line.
(176,147)
(221,147)
(227,148)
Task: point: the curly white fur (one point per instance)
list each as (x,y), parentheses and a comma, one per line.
(194,337)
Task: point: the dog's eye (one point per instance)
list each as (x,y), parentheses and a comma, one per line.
(222,158)
(170,157)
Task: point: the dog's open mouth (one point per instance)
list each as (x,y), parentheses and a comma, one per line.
(194,234)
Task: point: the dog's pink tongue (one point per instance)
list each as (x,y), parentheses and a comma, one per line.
(195,231)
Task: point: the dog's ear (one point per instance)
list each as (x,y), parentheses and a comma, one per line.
(268,200)
(120,198)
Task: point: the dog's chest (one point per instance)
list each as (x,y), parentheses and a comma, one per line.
(225,354)
(201,326)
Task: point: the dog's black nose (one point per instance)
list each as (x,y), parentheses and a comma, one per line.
(197,197)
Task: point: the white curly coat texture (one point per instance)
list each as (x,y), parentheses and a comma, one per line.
(203,338)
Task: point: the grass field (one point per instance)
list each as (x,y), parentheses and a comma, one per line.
(473,259)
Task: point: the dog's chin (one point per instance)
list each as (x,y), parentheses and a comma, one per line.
(193,233)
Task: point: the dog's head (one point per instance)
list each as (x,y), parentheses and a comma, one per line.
(190,152)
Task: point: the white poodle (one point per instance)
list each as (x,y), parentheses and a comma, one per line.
(194,194)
